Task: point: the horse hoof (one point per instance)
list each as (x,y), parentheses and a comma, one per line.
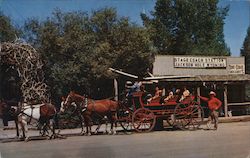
(52,137)
(83,133)
(106,132)
(26,139)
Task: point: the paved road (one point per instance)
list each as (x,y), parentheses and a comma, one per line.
(231,140)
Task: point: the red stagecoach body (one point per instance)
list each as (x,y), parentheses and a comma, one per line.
(143,116)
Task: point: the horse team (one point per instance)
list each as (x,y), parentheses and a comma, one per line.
(45,116)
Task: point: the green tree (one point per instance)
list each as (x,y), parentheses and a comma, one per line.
(8,32)
(187,27)
(79,48)
(245,50)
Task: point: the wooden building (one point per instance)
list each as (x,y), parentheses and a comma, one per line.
(223,74)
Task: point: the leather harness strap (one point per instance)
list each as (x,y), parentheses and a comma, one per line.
(93,109)
(30,116)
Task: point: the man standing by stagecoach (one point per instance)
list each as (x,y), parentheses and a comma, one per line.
(213,104)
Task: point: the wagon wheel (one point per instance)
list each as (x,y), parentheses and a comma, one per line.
(143,120)
(197,117)
(181,119)
(188,116)
(124,117)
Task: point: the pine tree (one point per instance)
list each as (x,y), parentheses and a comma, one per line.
(245,51)
(187,27)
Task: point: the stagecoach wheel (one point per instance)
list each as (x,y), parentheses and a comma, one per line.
(143,120)
(124,118)
(181,116)
(197,117)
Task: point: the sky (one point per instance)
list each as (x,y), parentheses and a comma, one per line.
(235,28)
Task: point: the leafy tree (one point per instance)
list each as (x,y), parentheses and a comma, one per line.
(245,51)
(187,27)
(8,32)
(79,48)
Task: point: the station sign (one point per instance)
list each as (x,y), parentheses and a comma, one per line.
(200,62)
(236,69)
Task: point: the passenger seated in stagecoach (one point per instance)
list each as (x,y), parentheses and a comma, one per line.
(158,94)
(145,95)
(134,88)
(177,95)
(185,94)
(169,97)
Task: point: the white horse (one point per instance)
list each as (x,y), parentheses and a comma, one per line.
(39,114)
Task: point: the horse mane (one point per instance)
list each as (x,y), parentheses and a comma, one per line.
(78,95)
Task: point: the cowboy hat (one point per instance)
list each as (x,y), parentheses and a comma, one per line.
(212,93)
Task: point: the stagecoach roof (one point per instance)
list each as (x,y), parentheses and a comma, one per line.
(214,78)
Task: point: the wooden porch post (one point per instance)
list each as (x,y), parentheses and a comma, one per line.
(198,99)
(225,101)
(116,89)
(164,91)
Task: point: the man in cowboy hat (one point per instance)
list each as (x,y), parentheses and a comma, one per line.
(213,104)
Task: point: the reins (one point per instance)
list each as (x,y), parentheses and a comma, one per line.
(116,96)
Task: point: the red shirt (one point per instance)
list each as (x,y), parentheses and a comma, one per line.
(213,103)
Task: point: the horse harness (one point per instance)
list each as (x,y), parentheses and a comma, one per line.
(84,104)
(30,116)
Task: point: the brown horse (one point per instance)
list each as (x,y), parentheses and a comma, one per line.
(8,112)
(39,113)
(90,107)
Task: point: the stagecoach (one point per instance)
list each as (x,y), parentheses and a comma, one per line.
(136,113)
(143,116)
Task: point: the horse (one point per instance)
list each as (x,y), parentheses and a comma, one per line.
(77,111)
(8,112)
(90,107)
(39,113)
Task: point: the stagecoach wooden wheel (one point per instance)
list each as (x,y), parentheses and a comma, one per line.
(197,117)
(124,117)
(188,117)
(143,120)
